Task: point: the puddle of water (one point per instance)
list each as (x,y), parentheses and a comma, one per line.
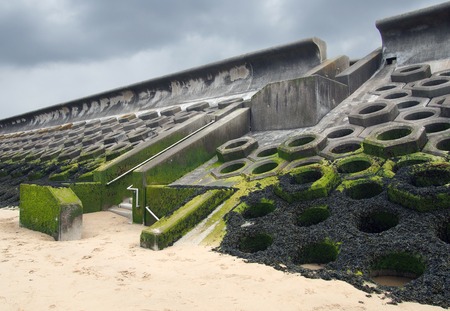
(387,280)
(312,266)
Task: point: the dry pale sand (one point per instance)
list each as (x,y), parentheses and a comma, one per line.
(107,270)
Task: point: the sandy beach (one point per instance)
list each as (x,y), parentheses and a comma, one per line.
(108,270)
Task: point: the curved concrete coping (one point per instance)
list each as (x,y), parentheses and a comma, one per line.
(237,75)
(418,36)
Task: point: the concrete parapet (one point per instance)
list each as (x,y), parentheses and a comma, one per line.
(417,36)
(238,75)
(295,103)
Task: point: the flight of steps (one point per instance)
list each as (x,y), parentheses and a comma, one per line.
(123,209)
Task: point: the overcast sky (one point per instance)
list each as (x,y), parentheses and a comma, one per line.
(53,51)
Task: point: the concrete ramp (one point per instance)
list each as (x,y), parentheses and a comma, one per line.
(235,76)
(418,36)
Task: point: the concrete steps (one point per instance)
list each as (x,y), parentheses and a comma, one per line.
(124,209)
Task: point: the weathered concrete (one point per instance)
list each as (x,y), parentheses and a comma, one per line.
(418,36)
(238,75)
(361,71)
(295,103)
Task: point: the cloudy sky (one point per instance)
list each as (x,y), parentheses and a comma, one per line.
(53,51)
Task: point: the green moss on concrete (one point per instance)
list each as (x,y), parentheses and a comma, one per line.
(321,180)
(48,210)
(259,209)
(362,188)
(422,197)
(169,229)
(178,166)
(164,200)
(392,165)
(90,194)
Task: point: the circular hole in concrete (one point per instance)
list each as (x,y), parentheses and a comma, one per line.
(267,152)
(301,141)
(372,109)
(236,144)
(444,232)
(394,134)
(345,148)
(431,177)
(308,176)
(435,82)
(340,133)
(232,168)
(445,74)
(396,269)
(378,221)
(255,243)
(313,216)
(410,69)
(317,253)
(385,88)
(364,190)
(354,166)
(396,95)
(437,127)
(444,144)
(264,168)
(260,209)
(407,104)
(419,115)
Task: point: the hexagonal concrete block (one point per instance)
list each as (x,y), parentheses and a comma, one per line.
(410,102)
(373,113)
(415,115)
(443,103)
(395,94)
(301,146)
(387,88)
(438,145)
(230,169)
(343,132)
(264,153)
(395,140)
(432,87)
(342,148)
(436,126)
(411,73)
(236,149)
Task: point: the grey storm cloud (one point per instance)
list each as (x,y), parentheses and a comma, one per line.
(33,32)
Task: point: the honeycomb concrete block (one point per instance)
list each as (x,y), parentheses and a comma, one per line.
(342,148)
(170,111)
(264,153)
(436,126)
(438,145)
(148,115)
(388,87)
(443,103)
(432,87)
(231,169)
(442,73)
(198,107)
(343,132)
(410,102)
(370,114)
(395,94)
(418,114)
(395,140)
(303,162)
(263,169)
(302,146)
(411,73)
(236,149)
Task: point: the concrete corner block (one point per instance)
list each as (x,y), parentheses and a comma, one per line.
(395,140)
(432,87)
(373,113)
(411,73)
(236,149)
(57,212)
(302,146)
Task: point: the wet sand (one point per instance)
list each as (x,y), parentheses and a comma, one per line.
(107,270)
